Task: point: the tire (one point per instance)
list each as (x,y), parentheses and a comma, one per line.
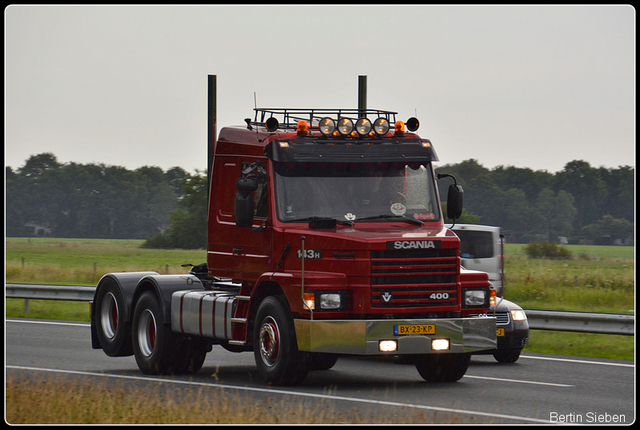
(506,357)
(157,349)
(114,333)
(274,344)
(443,367)
(320,361)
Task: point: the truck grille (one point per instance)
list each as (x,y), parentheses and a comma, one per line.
(414,278)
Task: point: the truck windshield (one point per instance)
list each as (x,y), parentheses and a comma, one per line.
(352,192)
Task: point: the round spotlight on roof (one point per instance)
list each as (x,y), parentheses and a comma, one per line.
(413,124)
(327,126)
(272,124)
(381,126)
(363,126)
(345,126)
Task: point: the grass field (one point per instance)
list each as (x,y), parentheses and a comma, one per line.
(597,279)
(84,261)
(60,400)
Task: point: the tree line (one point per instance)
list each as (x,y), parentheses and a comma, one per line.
(169,208)
(90,200)
(580,202)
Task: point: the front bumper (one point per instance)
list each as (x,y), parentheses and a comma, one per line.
(514,340)
(362,337)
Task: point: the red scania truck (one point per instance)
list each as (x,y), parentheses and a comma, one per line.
(325,238)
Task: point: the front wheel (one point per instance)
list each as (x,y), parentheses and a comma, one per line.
(275,347)
(158,350)
(442,367)
(506,357)
(320,361)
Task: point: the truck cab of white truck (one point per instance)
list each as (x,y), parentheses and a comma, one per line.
(481,248)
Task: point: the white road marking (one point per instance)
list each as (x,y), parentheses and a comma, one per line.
(519,381)
(573,360)
(75,324)
(292,393)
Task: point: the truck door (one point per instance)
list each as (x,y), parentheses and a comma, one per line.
(234,252)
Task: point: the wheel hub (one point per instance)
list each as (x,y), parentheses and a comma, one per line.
(269,342)
(109,315)
(147,333)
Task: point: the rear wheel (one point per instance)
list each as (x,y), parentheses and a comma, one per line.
(275,347)
(114,333)
(158,350)
(442,367)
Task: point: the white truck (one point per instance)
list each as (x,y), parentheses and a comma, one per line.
(481,248)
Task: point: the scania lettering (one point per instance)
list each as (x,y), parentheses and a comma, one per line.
(325,239)
(415,244)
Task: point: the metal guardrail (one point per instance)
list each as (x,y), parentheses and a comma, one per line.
(584,322)
(50,292)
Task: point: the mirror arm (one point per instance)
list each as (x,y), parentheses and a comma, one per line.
(261,228)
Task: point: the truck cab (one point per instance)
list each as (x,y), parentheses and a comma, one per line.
(340,218)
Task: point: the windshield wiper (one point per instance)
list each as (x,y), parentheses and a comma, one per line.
(321,222)
(394,217)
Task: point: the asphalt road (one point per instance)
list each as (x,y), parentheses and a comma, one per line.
(538,388)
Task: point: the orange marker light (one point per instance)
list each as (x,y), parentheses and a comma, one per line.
(302,128)
(399,128)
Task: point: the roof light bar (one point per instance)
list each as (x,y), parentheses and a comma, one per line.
(272,124)
(413,124)
(381,126)
(363,126)
(327,126)
(345,126)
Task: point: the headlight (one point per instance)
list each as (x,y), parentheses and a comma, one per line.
(475,297)
(518,315)
(327,301)
(330,301)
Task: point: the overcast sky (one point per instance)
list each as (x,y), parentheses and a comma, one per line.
(524,86)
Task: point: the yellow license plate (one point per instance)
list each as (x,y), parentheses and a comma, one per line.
(401,330)
(500,332)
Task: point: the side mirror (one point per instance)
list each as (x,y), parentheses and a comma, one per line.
(244,206)
(454,201)
(248,184)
